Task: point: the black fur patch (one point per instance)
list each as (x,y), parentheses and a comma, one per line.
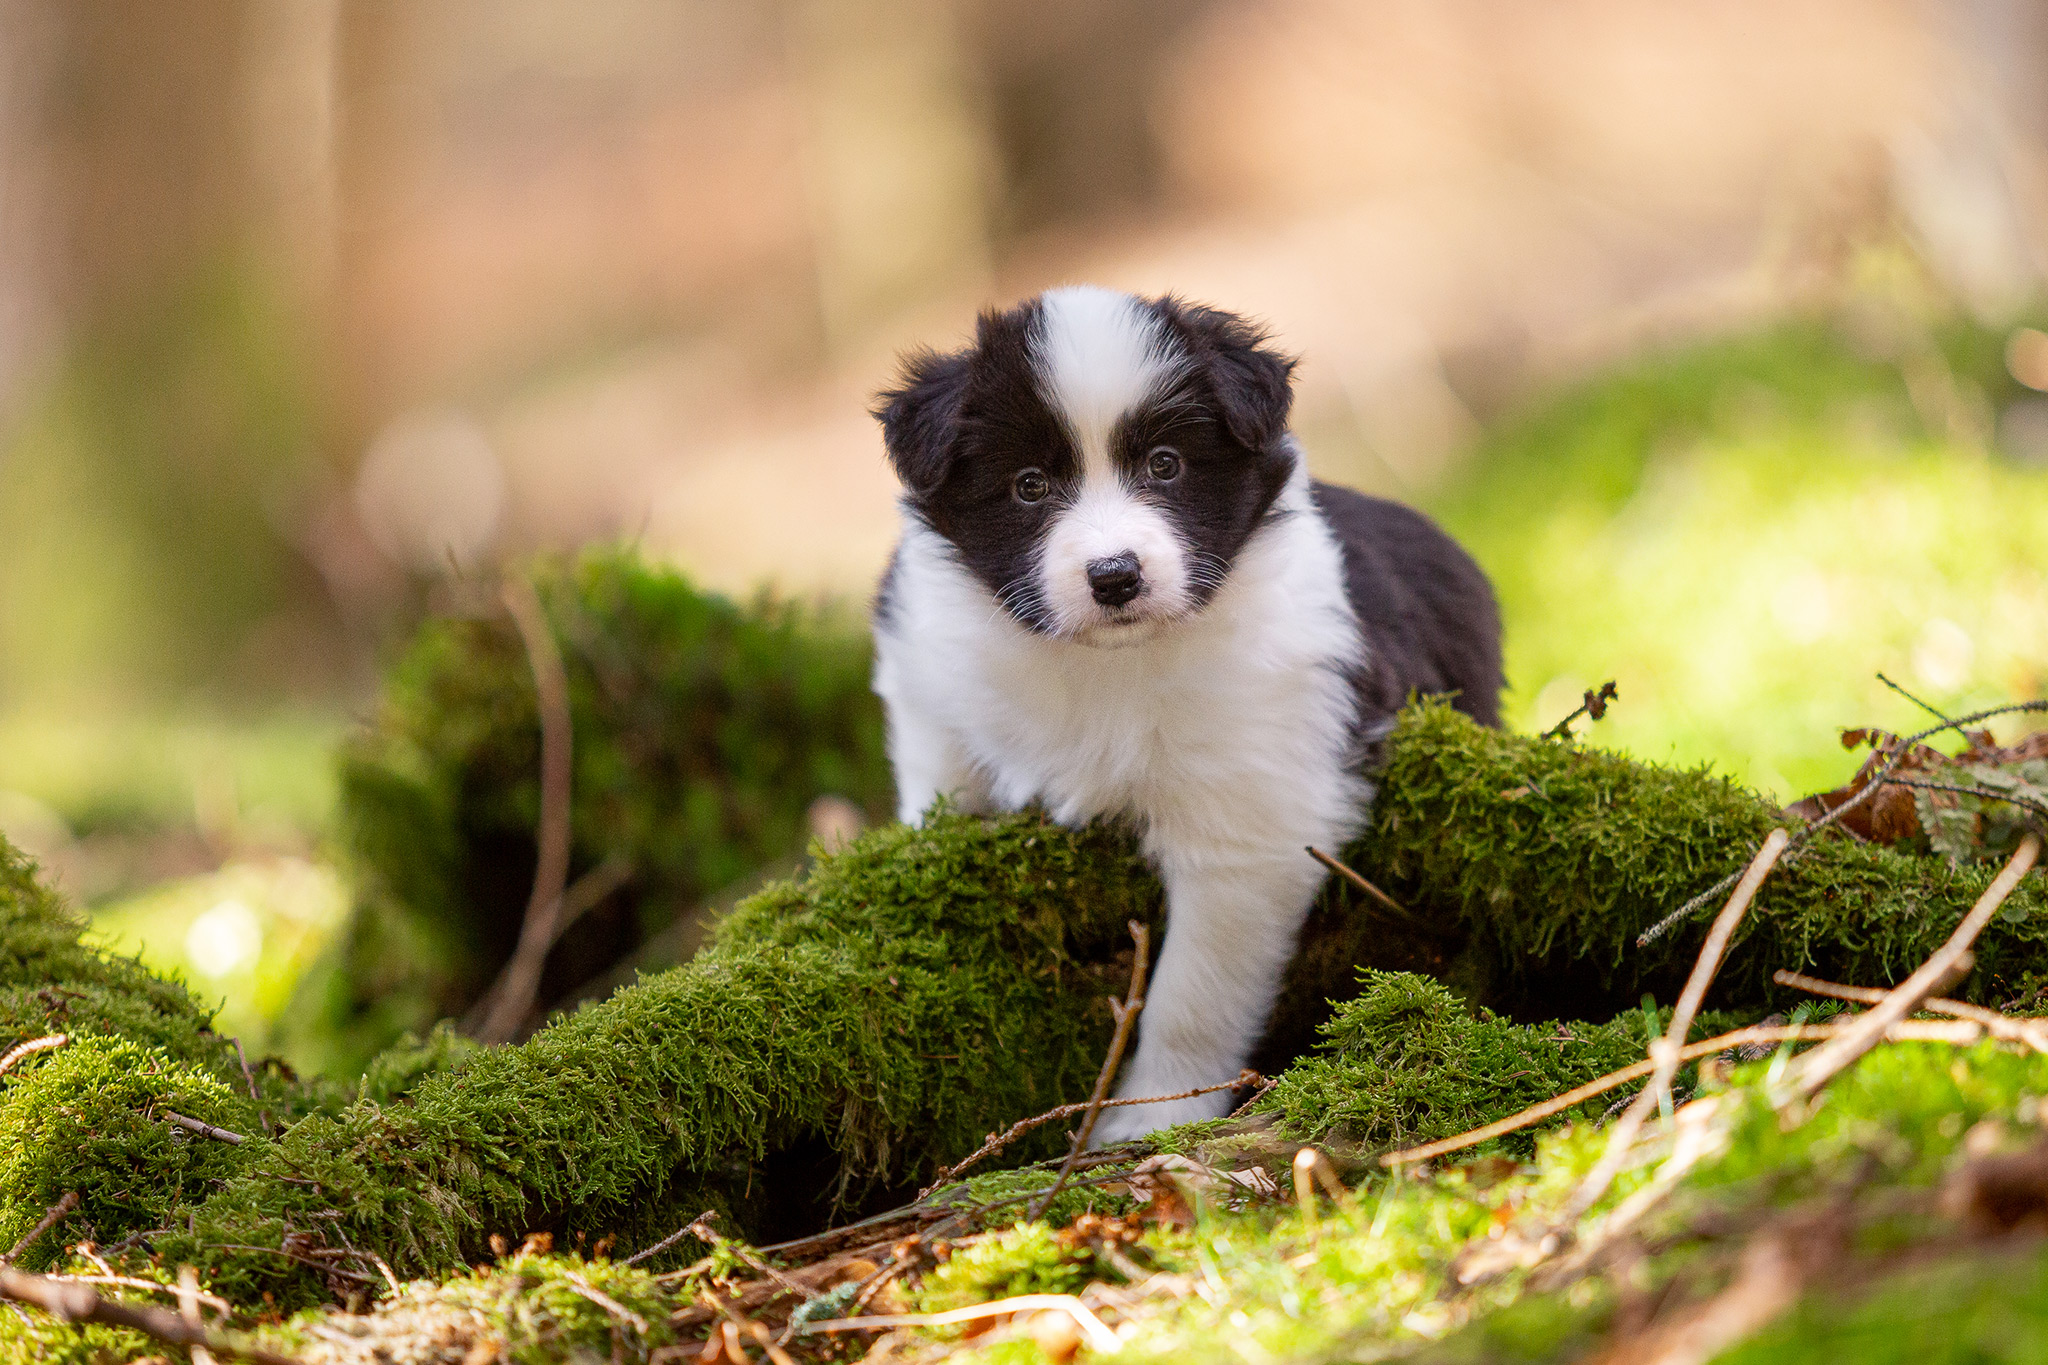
(1424,608)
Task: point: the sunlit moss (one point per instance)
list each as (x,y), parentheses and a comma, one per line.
(1407,1062)
(90,1118)
(1553,858)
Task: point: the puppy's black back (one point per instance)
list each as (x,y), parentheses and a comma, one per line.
(1426,610)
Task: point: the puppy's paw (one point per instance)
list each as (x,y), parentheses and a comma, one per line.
(1130,1121)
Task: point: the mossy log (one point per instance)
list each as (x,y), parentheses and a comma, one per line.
(1543,861)
(703,731)
(850,1032)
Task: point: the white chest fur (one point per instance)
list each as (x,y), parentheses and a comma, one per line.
(1225,736)
(1225,725)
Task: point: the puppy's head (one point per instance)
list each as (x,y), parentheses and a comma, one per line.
(1095,459)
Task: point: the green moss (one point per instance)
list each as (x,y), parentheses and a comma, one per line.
(703,730)
(1553,857)
(1982,1306)
(1406,1062)
(35,1339)
(531,1309)
(89,1118)
(845,1034)
(50,982)
(1027,1259)
(881,1013)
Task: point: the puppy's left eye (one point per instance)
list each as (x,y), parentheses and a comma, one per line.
(1163,464)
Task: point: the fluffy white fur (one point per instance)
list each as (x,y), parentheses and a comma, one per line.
(1223,732)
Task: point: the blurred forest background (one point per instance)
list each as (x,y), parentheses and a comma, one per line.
(1710,327)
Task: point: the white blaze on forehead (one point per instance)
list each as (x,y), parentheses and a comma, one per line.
(1099,354)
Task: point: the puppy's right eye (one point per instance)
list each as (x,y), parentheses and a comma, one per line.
(1031,485)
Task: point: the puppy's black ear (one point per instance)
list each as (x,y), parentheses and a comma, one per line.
(1253,383)
(921,416)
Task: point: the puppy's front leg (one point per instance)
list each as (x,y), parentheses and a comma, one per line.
(1230,930)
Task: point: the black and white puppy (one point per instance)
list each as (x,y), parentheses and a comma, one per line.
(1118,593)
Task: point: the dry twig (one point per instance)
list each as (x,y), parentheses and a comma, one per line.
(1099,1336)
(2032,1031)
(997,1141)
(1807,835)
(2025,803)
(188,1309)
(71,1302)
(605,1301)
(205,1130)
(1351,874)
(31,1047)
(701,1229)
(56,1214)
(511,996)
(249,1075)
(1821,1065)
(1664,1052)
(1126,1019)
(1909,1031)
(1595,705)
(213,1301)
(1928,707)
(665,1243)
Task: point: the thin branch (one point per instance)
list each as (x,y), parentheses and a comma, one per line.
(30,1048)
(1821,1065)
(1126,1020)
(56,1214)
(71,1302)
(213,1301)
(1595,705)
(2023,1030)
(702,1230)
(1986,793)
(326,1267)
(603,1300)
(205,1130)
(1812,831)
(590,889)
(997,1141)
(1351,875)
(1664,1051)
(665,1243)
(1906,1032)
(1099,1336)
(188,1309)
(248,1075)
(512,996)
(1928,707)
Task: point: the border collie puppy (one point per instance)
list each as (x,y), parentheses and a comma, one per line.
(1118,593)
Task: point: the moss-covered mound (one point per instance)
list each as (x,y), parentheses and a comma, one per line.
(846,1034)
(52,983)
(852,1031)
(1407,1062)
(703,730)
(1551,858)
(91,1118)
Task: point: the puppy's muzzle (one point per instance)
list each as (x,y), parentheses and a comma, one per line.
(1115,579)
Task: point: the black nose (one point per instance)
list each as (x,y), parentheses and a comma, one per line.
(1116,579)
